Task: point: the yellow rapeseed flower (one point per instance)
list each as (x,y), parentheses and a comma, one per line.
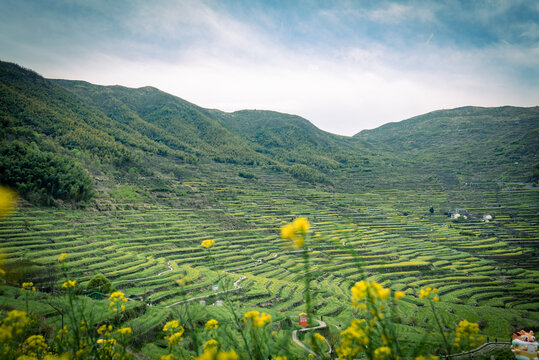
(124,331)
(27,286)
(399,295)
(69,284)
(301,225)
(287,231)
(382,352)
(281,357)
(211,343)
(35,346)
(117,296)
(319,337)
(62,257)
(102,329)
(167,357)
(428,357)
(8,200)
(211,324)
(256,318)
(171,325)
(227,355)
(208,243)
(295,232)
(427,292)
(354,339)
(175,338)
(368,291)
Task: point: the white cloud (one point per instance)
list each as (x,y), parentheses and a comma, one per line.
(215,60)
(395,13)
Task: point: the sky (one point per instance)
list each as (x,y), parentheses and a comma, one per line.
(343,65)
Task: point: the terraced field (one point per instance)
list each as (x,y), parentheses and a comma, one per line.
(485,271)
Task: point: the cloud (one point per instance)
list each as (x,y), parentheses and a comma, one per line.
(395,13)
(333,66)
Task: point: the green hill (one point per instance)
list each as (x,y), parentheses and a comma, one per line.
(466,144)
(114,131)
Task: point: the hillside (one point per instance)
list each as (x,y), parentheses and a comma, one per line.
(166,119)
(113,131)
(466,144)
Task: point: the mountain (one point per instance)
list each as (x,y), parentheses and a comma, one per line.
(167,119)
(468,143)
(60,139)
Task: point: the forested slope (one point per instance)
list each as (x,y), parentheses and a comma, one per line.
(58,136)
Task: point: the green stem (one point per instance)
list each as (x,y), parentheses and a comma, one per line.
(307,277)
(235,319)
(447,347)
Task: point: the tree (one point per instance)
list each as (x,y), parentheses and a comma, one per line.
(99,283)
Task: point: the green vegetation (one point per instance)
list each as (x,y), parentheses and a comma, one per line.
(99,283)
(155,176)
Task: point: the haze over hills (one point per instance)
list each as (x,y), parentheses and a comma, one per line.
(114,130)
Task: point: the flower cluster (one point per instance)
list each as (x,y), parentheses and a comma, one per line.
(354,339)
(174,332)
(62,257)
(212,352)
(427,357)
(28,286)
(104,329)
(171,325)
(211,324)
(256,318)
(115,299)
(427,292)
(368,291)
(208,243)
(35,346)
(467,335)
(124,331)
(69,284)
(13,324)
(8,200)
(107,348)
(381,353)
(296,232)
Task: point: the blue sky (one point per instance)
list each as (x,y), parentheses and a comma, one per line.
(343,65)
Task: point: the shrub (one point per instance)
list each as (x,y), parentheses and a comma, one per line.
(99,283)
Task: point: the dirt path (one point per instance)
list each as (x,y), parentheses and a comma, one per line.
(481,350)
(153,276)
(321,325)
(236,287)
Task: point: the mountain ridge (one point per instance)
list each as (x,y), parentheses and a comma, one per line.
(145,132)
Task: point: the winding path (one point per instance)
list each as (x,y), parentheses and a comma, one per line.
(321,325)
(480,350)
(235,288)
(153,276)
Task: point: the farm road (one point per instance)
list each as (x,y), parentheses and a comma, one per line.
(321,325)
